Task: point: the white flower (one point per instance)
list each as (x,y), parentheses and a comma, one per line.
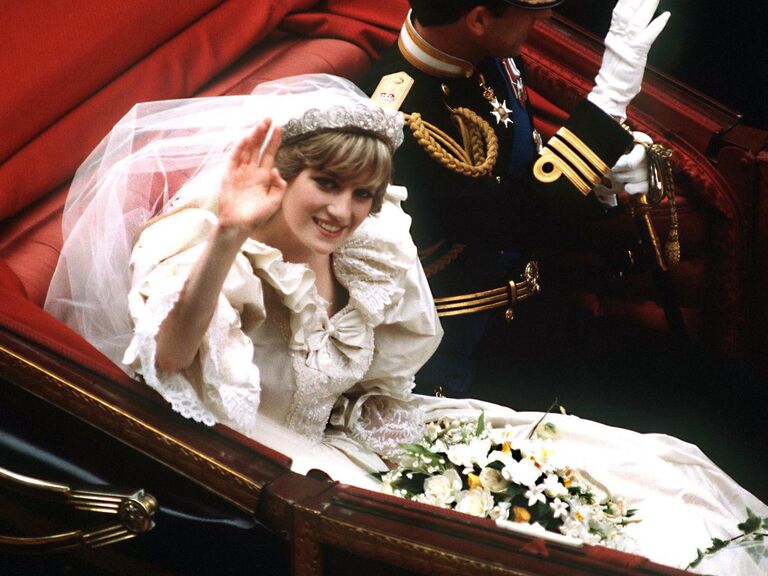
(553,487)
(577,529)
(432,431)
(442,489)
(559,508)
(467,455)
(500,511)
(477,502)
(439,446)
(506,434)
(524,472)
(424,499)
(535,494)
(536,449)
(499,456)
(492,479)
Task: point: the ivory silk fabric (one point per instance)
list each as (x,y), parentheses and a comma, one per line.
(334,393)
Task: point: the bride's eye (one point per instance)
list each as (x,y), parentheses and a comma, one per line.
(363,194)
(325,183)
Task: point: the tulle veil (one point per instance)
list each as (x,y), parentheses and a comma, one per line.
(158,157)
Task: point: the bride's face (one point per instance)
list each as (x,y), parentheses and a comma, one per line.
(321,211)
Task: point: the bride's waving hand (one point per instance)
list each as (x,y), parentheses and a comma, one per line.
(251,192)
(252,188)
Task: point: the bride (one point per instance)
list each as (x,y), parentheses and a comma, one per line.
(246,258)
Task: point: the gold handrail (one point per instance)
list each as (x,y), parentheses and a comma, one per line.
(135,512)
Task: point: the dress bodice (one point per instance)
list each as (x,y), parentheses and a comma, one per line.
(271,349)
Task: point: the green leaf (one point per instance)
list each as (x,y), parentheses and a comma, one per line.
(765,523)
(751,524)
(717,544)
(414,485)
(480,424)
(699,558)
(419,450)
(515,490)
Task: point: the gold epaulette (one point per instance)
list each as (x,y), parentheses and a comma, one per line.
(475,156)
(478,151)
(566,154)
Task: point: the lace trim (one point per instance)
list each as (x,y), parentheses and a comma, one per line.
(325,373)
(143,351)
(227,381)
(371,275)
(385,423)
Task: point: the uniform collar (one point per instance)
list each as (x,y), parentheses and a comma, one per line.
(421,54)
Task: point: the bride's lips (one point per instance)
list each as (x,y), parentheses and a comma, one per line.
(328,228)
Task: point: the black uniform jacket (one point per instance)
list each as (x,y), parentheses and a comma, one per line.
(508,211)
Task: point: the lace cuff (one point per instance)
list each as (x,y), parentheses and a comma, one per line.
(223,384)
(380,423)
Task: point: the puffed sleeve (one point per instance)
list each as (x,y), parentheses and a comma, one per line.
(378,411)
(222,385)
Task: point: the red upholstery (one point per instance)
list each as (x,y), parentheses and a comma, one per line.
(72,83)
(10,284)
(363,23)
(174,49)
(79,66)
(28,321)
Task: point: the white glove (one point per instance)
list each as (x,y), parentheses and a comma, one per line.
(629,174)
(626,52)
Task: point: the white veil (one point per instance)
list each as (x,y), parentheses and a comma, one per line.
(174,149)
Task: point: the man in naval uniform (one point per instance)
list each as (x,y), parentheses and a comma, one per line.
(484,192)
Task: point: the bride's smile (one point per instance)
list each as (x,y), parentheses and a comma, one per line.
(318,213)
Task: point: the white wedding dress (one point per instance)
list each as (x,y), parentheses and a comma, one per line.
(332,393)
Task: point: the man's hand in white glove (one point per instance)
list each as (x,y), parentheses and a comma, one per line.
(626,51)
(630,174)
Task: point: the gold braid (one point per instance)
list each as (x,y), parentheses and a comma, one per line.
(477,154)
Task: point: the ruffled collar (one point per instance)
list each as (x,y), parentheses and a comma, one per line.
(371,266)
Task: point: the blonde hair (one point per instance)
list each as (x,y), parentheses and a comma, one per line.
(359,158)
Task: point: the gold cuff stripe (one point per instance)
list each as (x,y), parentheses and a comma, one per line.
(575,161)
(557,167)
(570,157)
(584,150)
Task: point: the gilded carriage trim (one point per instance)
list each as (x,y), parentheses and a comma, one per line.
(549,167)
(212,464)
(386,547)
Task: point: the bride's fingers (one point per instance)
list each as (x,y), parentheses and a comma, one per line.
(243,152)
(270,150)
(256,140)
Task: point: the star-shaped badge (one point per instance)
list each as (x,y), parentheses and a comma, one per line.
(501,112)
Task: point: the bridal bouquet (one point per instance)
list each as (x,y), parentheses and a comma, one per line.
(470,467)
